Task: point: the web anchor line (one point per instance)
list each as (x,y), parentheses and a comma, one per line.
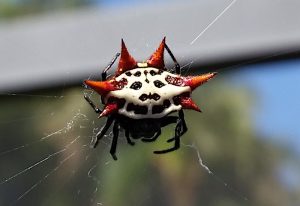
(210,172)
(214,21)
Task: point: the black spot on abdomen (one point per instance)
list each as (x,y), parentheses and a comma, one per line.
(137,109)
(140,109)
(137,74)
(166,103)
(136,85)
(154,96)
(130,107)
(156,109)
(121,103)
(128,73)
(143,97)
(153,73)
(177,99)
(158,84)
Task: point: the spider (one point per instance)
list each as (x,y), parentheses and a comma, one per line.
(141,97)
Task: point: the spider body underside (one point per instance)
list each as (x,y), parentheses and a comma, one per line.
(143,97)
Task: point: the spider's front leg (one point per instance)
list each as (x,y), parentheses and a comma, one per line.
(104,73)
(104,77)
(114,143)
(92,104)
(102,132)
(177,66)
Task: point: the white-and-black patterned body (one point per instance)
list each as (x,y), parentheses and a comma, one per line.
(140,98)
(147,94)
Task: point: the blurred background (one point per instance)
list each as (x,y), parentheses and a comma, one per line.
(242,150)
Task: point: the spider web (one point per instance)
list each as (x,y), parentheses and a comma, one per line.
(69,145)
(78,121)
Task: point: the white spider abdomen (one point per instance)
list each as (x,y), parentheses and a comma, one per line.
(147,94)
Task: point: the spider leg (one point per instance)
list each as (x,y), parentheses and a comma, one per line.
(169,120)
(104,76)
(177,66)
(184,127)
(102,132)
(152,139)
(95,108)
(176,138)
(115,140)
(104,73)
(180,129)
(129,141)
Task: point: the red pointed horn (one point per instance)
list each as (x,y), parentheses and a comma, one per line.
(126,62)
(196,81)
(101,87)
(109,109)
(157,58)
(187,103)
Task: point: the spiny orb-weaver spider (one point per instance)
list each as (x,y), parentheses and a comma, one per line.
(141,96)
